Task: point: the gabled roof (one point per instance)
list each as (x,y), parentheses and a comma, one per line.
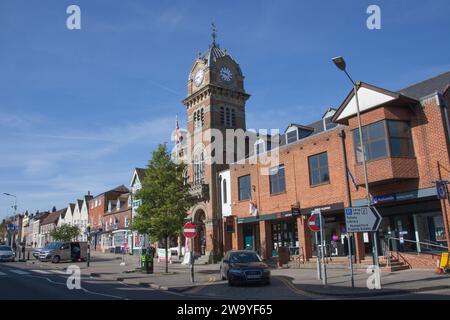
(424,88)
(138,173)
(80,203)
(299,126)
(370,97)
(53,217)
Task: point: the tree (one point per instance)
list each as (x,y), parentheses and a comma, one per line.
(65,233)
(165,199)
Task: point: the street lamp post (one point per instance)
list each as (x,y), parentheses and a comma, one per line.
(340,63)
(15,210)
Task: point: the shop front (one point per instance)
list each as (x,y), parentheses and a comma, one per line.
(266,234)
(411,222)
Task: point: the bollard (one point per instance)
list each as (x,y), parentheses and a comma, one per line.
(28,256)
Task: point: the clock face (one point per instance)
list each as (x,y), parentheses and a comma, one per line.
(198,79)
(226,74)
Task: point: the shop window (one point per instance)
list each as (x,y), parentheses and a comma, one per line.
(318,169)
(277,180)
(244,188)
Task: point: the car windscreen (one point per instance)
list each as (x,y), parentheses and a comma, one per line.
(5,248)
(244,257)
(53,245)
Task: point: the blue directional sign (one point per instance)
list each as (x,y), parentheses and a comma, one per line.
(362,219)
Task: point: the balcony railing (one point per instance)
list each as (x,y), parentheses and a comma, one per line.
(199,191)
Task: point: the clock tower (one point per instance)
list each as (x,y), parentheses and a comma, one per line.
(215,101)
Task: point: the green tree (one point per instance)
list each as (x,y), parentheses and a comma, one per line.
(165,199)
(65,233)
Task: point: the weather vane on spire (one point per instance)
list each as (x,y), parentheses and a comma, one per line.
(214,32)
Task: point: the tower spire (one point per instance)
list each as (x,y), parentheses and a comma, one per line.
(213,33)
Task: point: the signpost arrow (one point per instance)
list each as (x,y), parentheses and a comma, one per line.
(362,219)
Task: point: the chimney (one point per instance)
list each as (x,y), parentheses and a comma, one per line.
(89,193)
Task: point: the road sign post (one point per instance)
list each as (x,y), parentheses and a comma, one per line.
(322,249)
(365,219)
(190,231)
(313,224)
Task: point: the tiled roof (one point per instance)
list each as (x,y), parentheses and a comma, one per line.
(53,217)
(424,88)
(140,173)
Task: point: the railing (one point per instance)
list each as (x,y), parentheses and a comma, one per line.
(387,247)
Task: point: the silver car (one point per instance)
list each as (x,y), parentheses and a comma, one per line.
(7,254)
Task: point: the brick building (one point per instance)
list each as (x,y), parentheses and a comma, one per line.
(101,227)
(406,136)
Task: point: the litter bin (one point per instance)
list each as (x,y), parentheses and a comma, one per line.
(283,256)
(147,264)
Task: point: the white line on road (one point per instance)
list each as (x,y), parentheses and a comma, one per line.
(41,271)
(57,271)
(83,289)
(21,272)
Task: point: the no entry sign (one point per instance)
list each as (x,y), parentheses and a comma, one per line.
(189,230)
(313,223)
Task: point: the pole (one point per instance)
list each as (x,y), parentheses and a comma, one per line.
(366,181)
(319,272)
(322,253)
(350,259)
(192,260)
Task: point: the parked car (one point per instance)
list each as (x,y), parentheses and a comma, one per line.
(36,252)
(64,251)
(7,254)
(244,266)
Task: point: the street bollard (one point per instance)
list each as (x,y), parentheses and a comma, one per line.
(28,257)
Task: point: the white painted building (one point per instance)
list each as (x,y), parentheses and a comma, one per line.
(135,185)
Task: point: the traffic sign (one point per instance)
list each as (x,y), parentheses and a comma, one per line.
(314,223)
(362,219)
(189,230)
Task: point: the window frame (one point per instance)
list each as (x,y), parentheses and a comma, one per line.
(249,186)
(387,139)
(319,169)
(277,181)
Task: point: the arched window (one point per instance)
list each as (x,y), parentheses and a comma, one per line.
(199,168)
(224,188)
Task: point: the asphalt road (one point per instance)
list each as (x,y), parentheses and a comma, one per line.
(19,280)
(22,281)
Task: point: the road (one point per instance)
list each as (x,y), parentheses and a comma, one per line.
(22,281)
(19,280)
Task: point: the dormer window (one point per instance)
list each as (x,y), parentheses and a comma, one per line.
(260,147)
(291,136)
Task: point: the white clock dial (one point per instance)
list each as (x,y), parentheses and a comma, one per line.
(226,74)
(198,78)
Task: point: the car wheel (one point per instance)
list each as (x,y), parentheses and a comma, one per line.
(55,259)
(230,280)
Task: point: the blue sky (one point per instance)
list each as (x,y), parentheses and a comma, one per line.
(80,109)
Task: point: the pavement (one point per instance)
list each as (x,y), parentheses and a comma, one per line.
(287,283)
